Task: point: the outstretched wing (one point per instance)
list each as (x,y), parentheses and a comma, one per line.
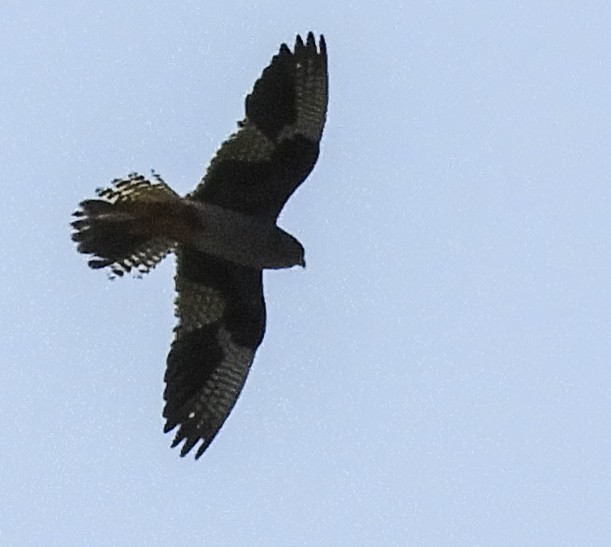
(258,168)
(220,305)
(221,321)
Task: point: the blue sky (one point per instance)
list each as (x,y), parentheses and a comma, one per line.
(440,372)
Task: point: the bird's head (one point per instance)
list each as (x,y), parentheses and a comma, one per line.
(289,251)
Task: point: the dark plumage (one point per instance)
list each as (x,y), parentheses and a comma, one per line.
(223,233)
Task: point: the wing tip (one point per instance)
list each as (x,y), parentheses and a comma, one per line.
(189,442)
(322,45)
(186,437)
(309,44)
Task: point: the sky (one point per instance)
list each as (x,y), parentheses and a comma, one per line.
(439,374)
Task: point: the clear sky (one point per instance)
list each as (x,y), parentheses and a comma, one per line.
(439,374)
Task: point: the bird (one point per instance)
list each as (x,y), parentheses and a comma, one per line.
(224,234)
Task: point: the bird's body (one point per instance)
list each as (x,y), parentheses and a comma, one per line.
(224,234)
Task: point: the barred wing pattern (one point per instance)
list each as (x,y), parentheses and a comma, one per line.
(220,305)
(221,323)
(258,168)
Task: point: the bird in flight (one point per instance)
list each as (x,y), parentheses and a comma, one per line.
(224,234)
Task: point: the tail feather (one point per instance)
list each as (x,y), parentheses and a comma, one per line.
(118,228)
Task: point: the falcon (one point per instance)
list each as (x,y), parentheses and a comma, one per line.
(224,234)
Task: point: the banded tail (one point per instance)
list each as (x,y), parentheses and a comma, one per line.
(133,224)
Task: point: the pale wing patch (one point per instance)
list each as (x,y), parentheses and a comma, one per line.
(213,403)
(248,144)
(311,102)
(311,90)
(196,305)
